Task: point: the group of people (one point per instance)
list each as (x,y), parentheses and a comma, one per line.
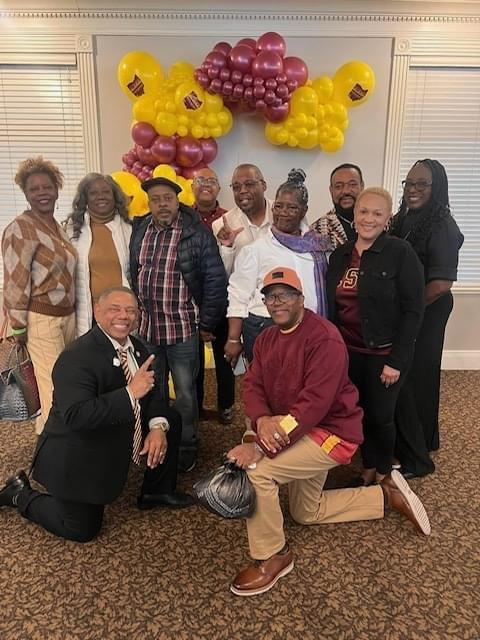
(342,323)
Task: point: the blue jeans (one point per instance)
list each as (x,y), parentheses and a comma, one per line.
(252,327)
(181,359)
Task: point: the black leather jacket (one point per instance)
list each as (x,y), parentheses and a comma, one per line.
(390,295)
(199,261)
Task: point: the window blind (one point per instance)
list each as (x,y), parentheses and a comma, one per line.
(40,114)
(442,122)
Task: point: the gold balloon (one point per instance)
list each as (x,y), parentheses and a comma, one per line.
(353,83)
(181,70)
(304,101)
(166,123)
(139,74)
(189,97)
(138,204)
(145,110)
(128,183)
(165,171)
(324,88)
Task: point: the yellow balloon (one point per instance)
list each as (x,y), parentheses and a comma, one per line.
(128,183)
(310,140)
(165,171)
(334,141)
(182,131)
(138,204)
(336,113)
(181,70)
(216,132)
(171,388)
(186,196)
(225,121)
(144,110)
(304,100)
(189,97)
(139,74)
(301,133)
(324,88)
(300,120)
(272,131)
(197,131)
(166,123)
(213,103)
(353,83)
(182,182)
(170,106)
(292,140)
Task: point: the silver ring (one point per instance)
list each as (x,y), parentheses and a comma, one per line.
(276,435)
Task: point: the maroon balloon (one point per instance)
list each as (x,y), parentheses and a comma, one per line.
(190,172)
(269,96)
(216,86)
(277,114)
(236,76)
(216,59)
(281,78)
(258,91)
(248,42)
(292,85)
(238,90)
(272,41)
(247,80)
(282,91)
(213,72)
(224,74)
(125,159)
(137,165)
(204,67)
(271,83)
(258,81)
(143,134)
(164,149)
(260,106)
(295,69)
(189,152)
(209,148)
(241,57)
(223,47)
(277,102)
(146,156)
(267,64)
(227,88)
(203,80)
(248,93)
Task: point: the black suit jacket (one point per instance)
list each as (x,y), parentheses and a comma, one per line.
(84,452)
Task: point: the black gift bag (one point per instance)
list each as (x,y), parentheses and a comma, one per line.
(226,491)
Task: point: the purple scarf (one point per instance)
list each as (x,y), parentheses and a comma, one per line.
(315,244)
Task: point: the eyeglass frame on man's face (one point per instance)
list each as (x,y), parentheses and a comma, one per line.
(419,185)
(248,184)
(209,182)
(282,297)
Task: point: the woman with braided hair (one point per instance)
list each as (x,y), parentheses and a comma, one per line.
(425,221)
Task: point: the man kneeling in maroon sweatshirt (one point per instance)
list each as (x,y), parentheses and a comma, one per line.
(306,415)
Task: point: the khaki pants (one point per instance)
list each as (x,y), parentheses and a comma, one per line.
(46,339)
(304,467)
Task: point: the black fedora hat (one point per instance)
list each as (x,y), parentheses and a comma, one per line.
(153,182)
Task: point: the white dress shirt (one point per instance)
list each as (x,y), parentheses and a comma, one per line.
(251,232)
(253,263)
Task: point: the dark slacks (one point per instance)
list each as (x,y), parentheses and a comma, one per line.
(378,403)
(81,521)
(223,369)
(418,404)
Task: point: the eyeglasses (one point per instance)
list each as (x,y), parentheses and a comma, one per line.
(291,209)
(248,184)
(420,185)
(208,182)
(284,296)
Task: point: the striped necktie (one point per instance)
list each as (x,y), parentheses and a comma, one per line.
(137,434)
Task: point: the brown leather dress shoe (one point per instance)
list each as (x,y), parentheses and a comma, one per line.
(400,497)
(262,575)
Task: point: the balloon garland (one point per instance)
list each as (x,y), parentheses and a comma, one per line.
(177,119)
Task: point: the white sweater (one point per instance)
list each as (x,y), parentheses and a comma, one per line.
(121,232)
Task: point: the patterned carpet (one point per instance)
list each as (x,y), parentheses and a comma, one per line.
(164,574)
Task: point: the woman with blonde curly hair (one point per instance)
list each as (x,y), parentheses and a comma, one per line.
(100,229)
(39,267)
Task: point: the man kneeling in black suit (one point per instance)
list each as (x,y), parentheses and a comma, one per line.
(105,407)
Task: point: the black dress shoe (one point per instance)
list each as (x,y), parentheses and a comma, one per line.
(187,459)
(13,486)
(174,500)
